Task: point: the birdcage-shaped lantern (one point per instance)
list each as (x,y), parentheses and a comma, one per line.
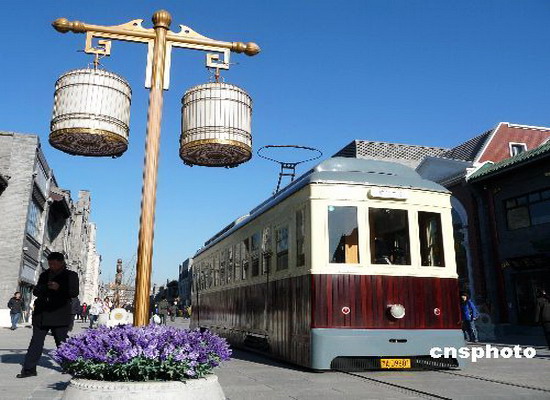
(216,125)
(91,113)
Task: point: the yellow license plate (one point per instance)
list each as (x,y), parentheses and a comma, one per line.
(395,363)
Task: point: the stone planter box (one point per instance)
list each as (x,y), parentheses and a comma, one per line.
(195,389)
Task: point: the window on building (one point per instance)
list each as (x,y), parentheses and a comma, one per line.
(517,148)
(255,254)
(300,237)
(431,239)
(282,247)
(526,210)
(33,219)
(389,236)
(343,234)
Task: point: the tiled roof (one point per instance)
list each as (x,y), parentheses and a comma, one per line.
(526,157)
(468,150)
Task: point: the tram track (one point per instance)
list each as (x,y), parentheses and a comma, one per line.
(428,395)
(498,381)
(405,389)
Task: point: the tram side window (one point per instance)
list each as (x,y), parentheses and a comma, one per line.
(343,234)
(216,268)
(266,250)
(389,236)
(431,239)
(255,256)
(245,253)
(237,261)
(282,247)
(223,266)
(300,237)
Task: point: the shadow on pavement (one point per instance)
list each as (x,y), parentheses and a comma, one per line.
(260,358)
(59,386)
(11,356)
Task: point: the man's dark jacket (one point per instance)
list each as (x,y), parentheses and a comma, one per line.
(542,310)
(53,307)
(16,306)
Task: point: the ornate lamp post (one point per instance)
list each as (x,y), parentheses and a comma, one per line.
(211,139)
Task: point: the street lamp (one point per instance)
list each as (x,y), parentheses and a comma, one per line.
(216,116)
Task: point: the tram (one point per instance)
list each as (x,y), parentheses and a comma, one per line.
(351,266)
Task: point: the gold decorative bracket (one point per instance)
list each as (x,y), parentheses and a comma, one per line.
(103,49)
(133,31)
(213,60)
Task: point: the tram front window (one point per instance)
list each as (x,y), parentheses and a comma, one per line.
(389,236)
(343,235)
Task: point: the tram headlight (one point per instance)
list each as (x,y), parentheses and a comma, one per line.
(397,311)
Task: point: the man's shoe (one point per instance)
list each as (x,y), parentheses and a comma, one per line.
(25,373)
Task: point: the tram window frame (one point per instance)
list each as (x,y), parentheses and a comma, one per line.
(423,219)
(216,269)
(349,252)
(300,237)
(237,261)
(267,250)
(382,251)
(245,257)
(281,247)
(255,241)
(223,267)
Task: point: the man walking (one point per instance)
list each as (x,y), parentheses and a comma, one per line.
(16,307)
(95,309)
(163,310)
(52,309)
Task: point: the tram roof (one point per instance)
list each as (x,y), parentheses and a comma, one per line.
(352,171)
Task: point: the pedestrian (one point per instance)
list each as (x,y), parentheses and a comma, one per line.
(84,312)
(542,313)
(173,310)
(95,309)
(107,305)
(75,311)
(16,307)
(469,314)
(52,309)
(163,310)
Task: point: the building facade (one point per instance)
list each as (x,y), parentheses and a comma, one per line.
(37,216)
(185,281)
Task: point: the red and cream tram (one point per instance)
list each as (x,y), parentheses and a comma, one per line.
(351,266)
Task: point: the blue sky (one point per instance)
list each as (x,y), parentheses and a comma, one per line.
(429,72)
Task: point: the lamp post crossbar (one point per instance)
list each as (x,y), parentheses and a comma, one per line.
(160,42)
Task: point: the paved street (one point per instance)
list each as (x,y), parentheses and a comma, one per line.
(250,376)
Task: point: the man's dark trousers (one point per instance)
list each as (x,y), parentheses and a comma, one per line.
(60,334)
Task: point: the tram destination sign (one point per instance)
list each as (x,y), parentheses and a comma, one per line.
(385,193)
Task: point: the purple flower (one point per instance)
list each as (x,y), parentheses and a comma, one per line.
(141,353)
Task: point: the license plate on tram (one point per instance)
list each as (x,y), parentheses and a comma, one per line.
(395,363)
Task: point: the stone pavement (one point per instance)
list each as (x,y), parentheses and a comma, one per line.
(250,376)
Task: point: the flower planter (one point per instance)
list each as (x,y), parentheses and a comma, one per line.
(196,389)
